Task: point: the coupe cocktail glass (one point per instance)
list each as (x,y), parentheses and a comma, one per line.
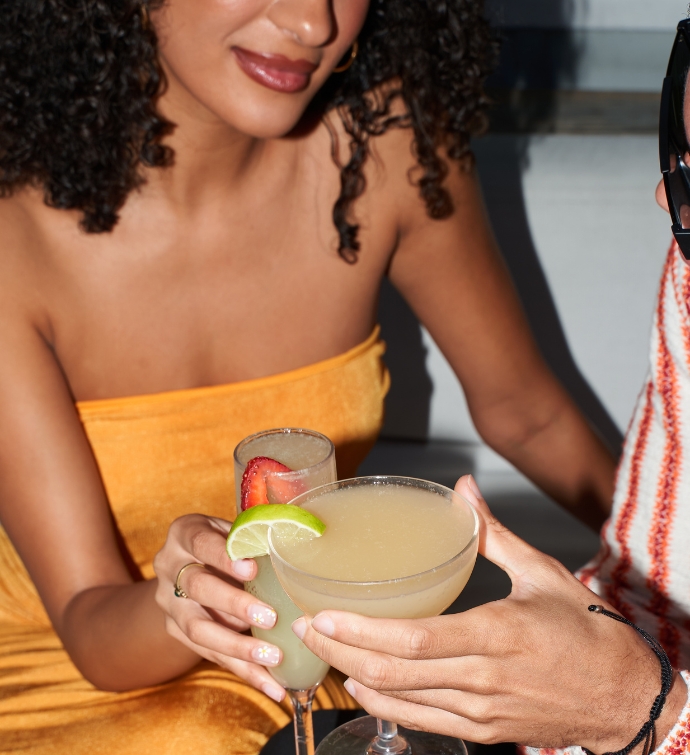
(394,547)
(311,456)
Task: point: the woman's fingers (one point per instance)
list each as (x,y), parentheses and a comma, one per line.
(216,608)
(228,620)
(212,591)
(194,560)
(198,629)
(242,570)
(204,539)
(258,677)
(251,672)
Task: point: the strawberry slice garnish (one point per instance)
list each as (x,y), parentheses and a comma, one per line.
(261,484)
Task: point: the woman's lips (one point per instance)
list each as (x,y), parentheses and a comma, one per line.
(275,71)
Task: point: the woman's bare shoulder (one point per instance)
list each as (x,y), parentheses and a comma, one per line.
(21,224)
(24,248)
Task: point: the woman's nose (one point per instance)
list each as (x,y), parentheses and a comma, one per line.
(310,22)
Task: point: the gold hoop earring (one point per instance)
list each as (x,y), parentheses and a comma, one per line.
(353,54)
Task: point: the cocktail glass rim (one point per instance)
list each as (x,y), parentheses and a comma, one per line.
(379,479)
(293,474)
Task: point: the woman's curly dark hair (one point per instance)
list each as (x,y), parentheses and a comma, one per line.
(79,81)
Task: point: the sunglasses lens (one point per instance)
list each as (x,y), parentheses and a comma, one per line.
(678,181)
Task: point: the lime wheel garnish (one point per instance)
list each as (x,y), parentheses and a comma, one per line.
(248,537)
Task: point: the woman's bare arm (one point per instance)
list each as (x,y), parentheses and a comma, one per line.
(54,508)
(453,277)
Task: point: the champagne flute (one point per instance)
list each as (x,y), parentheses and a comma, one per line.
(394,547)
(311,457)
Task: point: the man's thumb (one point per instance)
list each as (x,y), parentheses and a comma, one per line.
(496,542)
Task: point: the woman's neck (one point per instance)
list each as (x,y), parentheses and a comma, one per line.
(211,157)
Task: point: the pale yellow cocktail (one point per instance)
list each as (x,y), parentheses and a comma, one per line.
(388,551)
(393,547)
(310,456)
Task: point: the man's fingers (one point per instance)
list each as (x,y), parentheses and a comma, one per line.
(372,668)
(413,716)
(348,637)
(416,639)
(383,671)
(481,709)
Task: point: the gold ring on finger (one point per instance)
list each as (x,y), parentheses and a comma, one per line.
(179,592)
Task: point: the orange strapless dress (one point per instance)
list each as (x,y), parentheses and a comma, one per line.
(162,456)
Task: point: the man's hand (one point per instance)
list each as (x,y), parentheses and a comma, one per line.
(536,668)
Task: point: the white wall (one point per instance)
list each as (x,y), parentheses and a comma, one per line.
(647,15)
(621,60)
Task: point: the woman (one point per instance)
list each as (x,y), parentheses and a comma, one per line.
(201,200)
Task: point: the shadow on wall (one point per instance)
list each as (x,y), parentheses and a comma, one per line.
(408,403)
(529,58)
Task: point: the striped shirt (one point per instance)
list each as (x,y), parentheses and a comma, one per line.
(643,565)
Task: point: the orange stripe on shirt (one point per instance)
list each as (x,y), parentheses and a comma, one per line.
(664,509)
(628,509)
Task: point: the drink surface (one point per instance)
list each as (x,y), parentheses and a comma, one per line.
(298,451)
(295,450)
(378,532)
(401,537)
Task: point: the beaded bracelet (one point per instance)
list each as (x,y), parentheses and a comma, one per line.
(648,730)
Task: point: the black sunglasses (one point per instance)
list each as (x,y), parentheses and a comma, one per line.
(674,151)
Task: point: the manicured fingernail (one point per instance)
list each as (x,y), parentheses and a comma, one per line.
(323,624)
(268,655)
(350,687)
(299,627)
(471,482)
(262,616)
(244,568)
(273,693)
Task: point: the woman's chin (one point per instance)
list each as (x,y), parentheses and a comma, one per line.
(269,125)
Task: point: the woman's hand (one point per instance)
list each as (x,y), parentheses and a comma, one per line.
(217,610)
(536,668)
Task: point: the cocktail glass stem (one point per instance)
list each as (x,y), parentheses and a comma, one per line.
(304,729)
(387,740)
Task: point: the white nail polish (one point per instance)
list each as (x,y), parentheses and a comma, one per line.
(267,655)
(262,616)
